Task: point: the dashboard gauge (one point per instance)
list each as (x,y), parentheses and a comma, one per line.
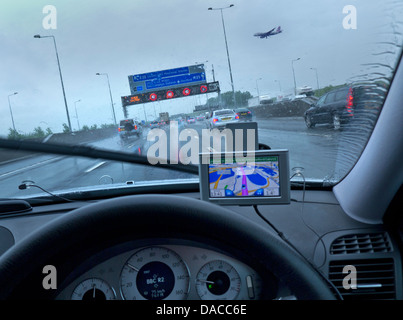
(218,280)
(154,273)
(93,289)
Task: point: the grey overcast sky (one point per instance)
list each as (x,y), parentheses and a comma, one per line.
(127,37)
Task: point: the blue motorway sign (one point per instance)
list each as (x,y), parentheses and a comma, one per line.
(174,81)
(160,74)
(166,79)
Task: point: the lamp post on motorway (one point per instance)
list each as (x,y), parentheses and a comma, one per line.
(293,73)
(226,46)
(110,94)
(279,84)
(75,107)
(257,89)
(61,78)
(11,112)
(317,79)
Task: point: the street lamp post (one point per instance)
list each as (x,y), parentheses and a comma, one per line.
(317,78)
(110,94)
(279,84)
(293,73)
(75,107)
(226,46)
(257,89)
(11,112)
(61,78)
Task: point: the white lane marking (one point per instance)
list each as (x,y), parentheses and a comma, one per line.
(30,167)
(95,166)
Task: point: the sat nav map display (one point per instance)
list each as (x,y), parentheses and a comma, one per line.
(257,178)
(237,178)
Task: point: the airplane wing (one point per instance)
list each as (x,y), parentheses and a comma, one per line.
(269,32)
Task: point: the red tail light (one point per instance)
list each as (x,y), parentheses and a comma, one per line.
(119,129)
(135,127)
(350,100)
(236,117)
(249,112)
(215,120)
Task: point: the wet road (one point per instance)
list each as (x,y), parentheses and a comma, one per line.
(316,150)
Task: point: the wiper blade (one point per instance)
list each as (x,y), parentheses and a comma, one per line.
(91,152)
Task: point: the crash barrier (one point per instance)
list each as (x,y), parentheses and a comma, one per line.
(283,108)
(81,136)
(77,137)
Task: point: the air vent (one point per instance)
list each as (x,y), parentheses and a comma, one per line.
(361,243)
(375,279)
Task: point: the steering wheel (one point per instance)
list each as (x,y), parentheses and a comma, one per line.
(73,237)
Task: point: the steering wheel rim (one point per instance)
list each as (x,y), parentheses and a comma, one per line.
(135,217)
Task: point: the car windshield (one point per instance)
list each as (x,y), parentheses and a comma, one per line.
(220,113)
(74,71)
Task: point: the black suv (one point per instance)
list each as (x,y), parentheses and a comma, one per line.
(341,105)
(335,107)
(129,127)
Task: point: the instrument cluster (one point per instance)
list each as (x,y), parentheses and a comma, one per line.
(171,272)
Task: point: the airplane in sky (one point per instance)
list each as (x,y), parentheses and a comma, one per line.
(270,33)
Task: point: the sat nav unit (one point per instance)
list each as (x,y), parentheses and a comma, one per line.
(238,178)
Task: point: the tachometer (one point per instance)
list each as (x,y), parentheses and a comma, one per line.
(218,280)
(154,273)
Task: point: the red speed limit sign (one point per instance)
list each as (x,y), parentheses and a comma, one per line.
(203,89)
(153,96)
(186,91)
(170,94)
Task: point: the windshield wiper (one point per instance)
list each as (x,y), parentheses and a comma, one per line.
(91,152)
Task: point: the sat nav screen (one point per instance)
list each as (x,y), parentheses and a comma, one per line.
(258,178)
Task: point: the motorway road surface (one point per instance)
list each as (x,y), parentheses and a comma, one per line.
(316,150)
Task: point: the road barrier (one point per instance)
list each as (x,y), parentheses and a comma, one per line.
(294,108)
(7,155)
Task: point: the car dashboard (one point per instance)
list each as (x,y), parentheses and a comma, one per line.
(186,267)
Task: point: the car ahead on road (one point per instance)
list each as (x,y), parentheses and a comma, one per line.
(128,128)
(191,120)
(200,118)
(220,118)
(154,124)
(244,114)
(339,106)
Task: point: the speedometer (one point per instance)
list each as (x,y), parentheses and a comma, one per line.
(154,273)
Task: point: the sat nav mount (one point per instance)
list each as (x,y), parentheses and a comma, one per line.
(245,178)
